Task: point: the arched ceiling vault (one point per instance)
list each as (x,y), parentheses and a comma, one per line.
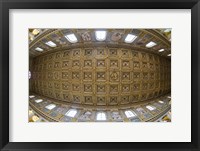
(86,38)
(119,70)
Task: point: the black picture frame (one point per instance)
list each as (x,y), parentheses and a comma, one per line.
(5,5)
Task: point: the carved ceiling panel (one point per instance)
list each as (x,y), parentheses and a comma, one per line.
(101,76)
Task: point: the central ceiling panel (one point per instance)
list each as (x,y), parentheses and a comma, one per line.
(101,76)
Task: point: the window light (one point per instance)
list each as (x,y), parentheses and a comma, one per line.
(150,44)
(71,38)
(31,96)
(151,108)
(29,74)
(130,38)
(39,49)
(169,55)
(51,44)
(100,35)
(161,50)
(71,113)
(35,118)
(38,100)
(129,113)
(50,106)
(35,32)
(101,116)
(88,113)
(161,102)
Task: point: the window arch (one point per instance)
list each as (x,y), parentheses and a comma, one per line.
(71,38)
(29,74)
(101,116)
(150,107)
(150,44)
(130,38)
(50,106)
(31,96)
(100,35)
(129,114)
(71,113)
(38,100)
(51,44)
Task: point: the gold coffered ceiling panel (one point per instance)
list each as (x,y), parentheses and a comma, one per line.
(102,75)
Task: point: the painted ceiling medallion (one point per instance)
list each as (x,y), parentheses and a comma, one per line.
(86,36)
(116,36)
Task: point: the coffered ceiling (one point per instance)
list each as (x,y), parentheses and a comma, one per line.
(100,68)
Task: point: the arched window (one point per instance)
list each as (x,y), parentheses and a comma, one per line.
(31,96)
(38,100)
(29,74)
(151,108)
(87,113)
(71,38)
(101,116)
(100,35)
(130,38)
(50,106)
(161,50)
(150,44)
(39,49)
(129,113)
(71,113)
(51,44)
